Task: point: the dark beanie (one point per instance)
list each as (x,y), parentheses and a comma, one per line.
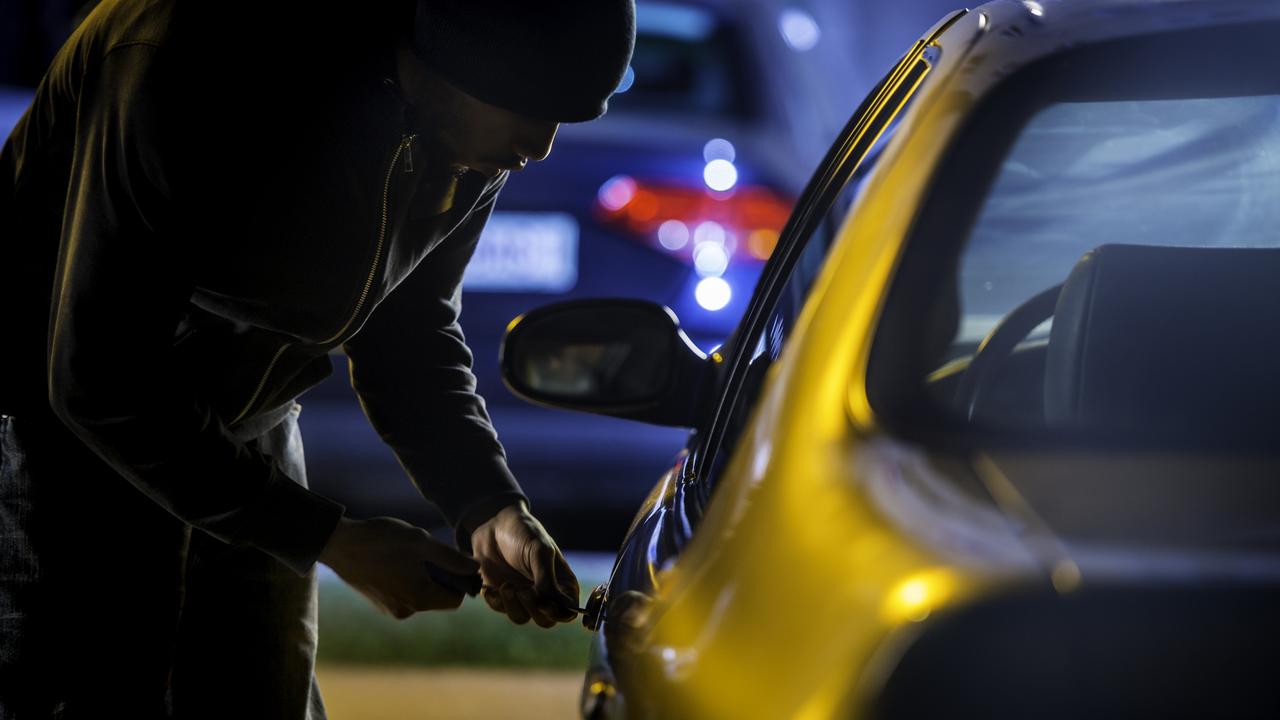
(548,59)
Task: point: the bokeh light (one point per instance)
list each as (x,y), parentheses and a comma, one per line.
(799,29)
(673,234)
(720,175)
(713,293)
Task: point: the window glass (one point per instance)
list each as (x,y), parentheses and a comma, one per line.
(1199,172)
(767,340)
(1114,277)
(1083,326)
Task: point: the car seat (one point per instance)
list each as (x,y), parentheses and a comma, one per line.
(1155,339)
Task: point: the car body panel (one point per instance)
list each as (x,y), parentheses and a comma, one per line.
(737,512)
(746,625)
(842,559)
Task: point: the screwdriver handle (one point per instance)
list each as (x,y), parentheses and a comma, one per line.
(466,584)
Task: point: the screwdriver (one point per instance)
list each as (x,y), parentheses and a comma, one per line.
(468,584)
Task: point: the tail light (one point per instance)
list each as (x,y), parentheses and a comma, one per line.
(703,227)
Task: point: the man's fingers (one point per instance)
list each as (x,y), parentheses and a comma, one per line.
(493,599)
(552,603)
(529,601)
(514,608)
(555,613)
(552,576)
(546,616)
(566,581)
(544,570)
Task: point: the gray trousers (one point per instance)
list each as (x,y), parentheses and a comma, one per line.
(112,607)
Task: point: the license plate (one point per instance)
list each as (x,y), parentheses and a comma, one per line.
(525,252)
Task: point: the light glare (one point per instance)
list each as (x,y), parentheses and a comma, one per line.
(673,234)
(719,149)
(616,192)
(720,175)
(710,259)
(713,293)
(709,232)
(799,29)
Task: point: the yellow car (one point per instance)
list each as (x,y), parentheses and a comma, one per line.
(997,434)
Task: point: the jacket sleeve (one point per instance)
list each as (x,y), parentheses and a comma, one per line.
(411,367)
(124,279)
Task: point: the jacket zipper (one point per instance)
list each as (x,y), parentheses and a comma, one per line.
(406,143)
(262,383)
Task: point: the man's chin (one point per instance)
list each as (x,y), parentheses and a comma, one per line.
(491,168)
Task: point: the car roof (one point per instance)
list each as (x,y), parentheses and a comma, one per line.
(1017,32)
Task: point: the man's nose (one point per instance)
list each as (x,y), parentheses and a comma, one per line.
(536,144)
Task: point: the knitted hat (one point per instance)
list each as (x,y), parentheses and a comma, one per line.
(554,60)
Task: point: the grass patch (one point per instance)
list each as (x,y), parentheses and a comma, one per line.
(353,633)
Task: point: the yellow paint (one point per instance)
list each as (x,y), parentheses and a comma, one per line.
(794,581)
(600,687)
(514,322)
(913,599)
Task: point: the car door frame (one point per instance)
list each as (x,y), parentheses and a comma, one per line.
(875,114)
(601,694)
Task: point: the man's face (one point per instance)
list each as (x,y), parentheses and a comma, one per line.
(466,131)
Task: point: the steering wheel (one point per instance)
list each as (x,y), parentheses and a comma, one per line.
(999,344)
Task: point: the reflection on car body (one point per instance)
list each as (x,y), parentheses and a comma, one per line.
(995,439)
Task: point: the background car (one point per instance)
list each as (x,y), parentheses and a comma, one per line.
(995,436)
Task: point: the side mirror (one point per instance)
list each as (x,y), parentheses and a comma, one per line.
(624,358)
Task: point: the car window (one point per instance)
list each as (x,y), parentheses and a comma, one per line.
(790,274)
(767,341)
(1176,172)
(687,61)
(1096,258)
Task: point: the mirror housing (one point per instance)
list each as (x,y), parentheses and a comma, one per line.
(622,358)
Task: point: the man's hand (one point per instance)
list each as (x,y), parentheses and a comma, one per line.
(525,575)
(385,558)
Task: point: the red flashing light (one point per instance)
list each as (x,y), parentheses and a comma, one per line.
(752,216)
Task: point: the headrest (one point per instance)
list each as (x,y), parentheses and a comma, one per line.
(1167,339)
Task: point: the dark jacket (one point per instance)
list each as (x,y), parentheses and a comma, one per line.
(201,204)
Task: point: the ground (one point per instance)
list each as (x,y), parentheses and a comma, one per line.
(365,693)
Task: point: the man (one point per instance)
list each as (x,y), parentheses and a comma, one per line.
(203,201)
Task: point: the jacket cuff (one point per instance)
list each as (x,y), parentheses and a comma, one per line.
(291,523)
(496,488)
(479,513)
